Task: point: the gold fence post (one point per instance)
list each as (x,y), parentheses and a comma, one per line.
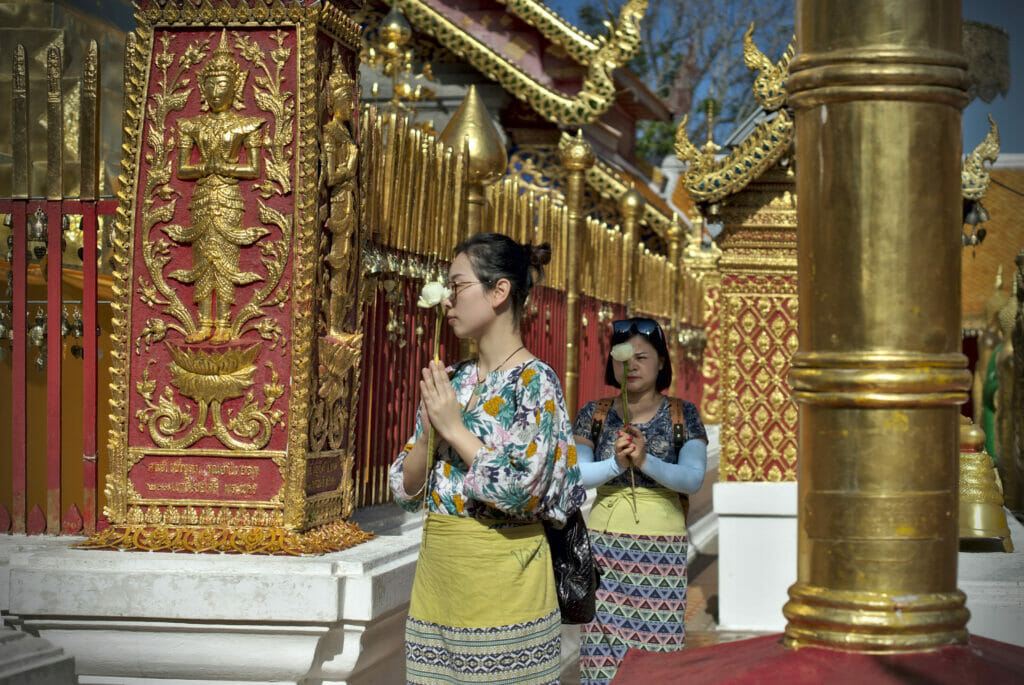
(879,374)
(631,205)
(576,157)
(674,238)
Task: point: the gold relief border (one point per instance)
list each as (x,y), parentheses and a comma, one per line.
(136,454)
(304,264)
(757,262)
(272,503)
(591,101)
(138,56)
(332,537)
(768,218)
(711,367)
(221,13)
(204,513)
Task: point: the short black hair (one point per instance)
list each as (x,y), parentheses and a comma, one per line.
(654,335)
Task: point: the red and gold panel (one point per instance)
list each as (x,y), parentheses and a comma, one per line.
(236,338)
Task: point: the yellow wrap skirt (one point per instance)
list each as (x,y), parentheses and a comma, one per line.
(483,606)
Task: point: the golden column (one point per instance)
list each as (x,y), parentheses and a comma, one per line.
(631,206)
(471,126)
(577,157)
(877,89)
(674,238)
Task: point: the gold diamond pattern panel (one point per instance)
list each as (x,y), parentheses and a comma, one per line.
(757,337)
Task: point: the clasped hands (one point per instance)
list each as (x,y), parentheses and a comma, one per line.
(630,447)
(440,406)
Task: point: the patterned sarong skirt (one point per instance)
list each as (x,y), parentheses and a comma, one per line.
(642,598)
(483,607)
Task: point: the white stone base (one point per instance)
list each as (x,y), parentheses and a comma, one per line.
(994,585)
(139,617)
(757,533)
(28,660)
(757,546)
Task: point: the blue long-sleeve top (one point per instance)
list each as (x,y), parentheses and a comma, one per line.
(686,475)
(682,471)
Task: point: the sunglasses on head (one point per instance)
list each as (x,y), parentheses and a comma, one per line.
(646,327)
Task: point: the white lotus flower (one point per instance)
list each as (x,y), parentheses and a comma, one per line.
(623,352)
(433,294)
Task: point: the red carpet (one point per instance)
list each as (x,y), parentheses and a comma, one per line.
(766,660)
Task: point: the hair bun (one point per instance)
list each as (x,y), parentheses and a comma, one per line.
(539,255)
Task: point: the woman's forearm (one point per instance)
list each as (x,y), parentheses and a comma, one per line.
(414,468)
(687,475)
(594,473)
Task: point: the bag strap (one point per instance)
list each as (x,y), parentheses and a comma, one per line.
(600,414)
(678,409)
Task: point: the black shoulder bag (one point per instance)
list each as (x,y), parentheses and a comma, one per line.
(576,570)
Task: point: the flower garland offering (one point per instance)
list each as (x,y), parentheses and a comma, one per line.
(623,352)
(433,296)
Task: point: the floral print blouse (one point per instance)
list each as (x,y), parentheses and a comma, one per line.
(526,469)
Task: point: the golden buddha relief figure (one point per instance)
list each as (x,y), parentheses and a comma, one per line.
(228,146)
(340,162)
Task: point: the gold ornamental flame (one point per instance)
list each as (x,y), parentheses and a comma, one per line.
(207,375)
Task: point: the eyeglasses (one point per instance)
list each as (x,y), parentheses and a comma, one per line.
(641,326)
(462,285)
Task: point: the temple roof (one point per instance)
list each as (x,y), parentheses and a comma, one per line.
(568,77)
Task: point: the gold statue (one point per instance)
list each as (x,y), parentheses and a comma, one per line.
(1004,419)
(1017,410)
(216,232)
(988,340)
(340,160)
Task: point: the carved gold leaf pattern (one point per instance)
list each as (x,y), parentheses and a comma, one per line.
(304,279)
(137,51)
(332,537)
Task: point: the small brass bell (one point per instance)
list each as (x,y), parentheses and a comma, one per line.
(982,517)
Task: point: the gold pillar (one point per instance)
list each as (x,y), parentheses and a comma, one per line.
(674,238)
(631,206)
(487,156)
(877,89)
(577,157)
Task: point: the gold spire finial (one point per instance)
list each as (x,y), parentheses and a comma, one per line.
(575,152)
(631,202)
(487,155)
(395,27)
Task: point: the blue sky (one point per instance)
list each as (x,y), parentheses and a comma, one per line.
(1008,111)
